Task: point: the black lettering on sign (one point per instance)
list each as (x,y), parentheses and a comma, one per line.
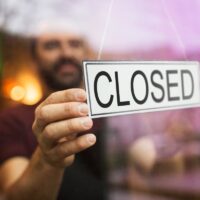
(103,105)
(119,102)
(183,85)
(171,84)
(132,88)
(157,99)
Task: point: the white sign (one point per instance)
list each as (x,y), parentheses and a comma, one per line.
(116,88)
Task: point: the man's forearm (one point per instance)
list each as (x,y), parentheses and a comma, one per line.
(40,181)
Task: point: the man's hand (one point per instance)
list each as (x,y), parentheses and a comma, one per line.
(57,121)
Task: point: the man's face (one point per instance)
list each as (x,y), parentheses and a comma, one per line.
(59,58)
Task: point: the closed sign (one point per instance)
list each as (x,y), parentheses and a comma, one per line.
(116,88)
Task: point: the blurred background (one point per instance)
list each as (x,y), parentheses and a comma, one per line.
(153,156)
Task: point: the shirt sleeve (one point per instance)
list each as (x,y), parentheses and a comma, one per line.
(12,140)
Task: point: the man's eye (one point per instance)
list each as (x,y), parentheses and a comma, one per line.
(75,43)
(51,45)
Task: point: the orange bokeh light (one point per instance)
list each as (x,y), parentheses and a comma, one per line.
(17,93)
(25,88)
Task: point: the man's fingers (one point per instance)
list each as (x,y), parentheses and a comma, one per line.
(69,148)
(57,130)
(54,112)
(43,113)
(70,95)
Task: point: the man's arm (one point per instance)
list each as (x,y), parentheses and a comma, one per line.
(11,170)
(57,121)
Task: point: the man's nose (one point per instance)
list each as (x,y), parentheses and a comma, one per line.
(67,51)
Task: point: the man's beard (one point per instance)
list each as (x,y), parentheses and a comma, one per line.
(54,82)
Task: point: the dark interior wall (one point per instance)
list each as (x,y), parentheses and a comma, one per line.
(14,58)
(16,54)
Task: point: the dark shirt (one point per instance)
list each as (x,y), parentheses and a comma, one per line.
(85,179)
